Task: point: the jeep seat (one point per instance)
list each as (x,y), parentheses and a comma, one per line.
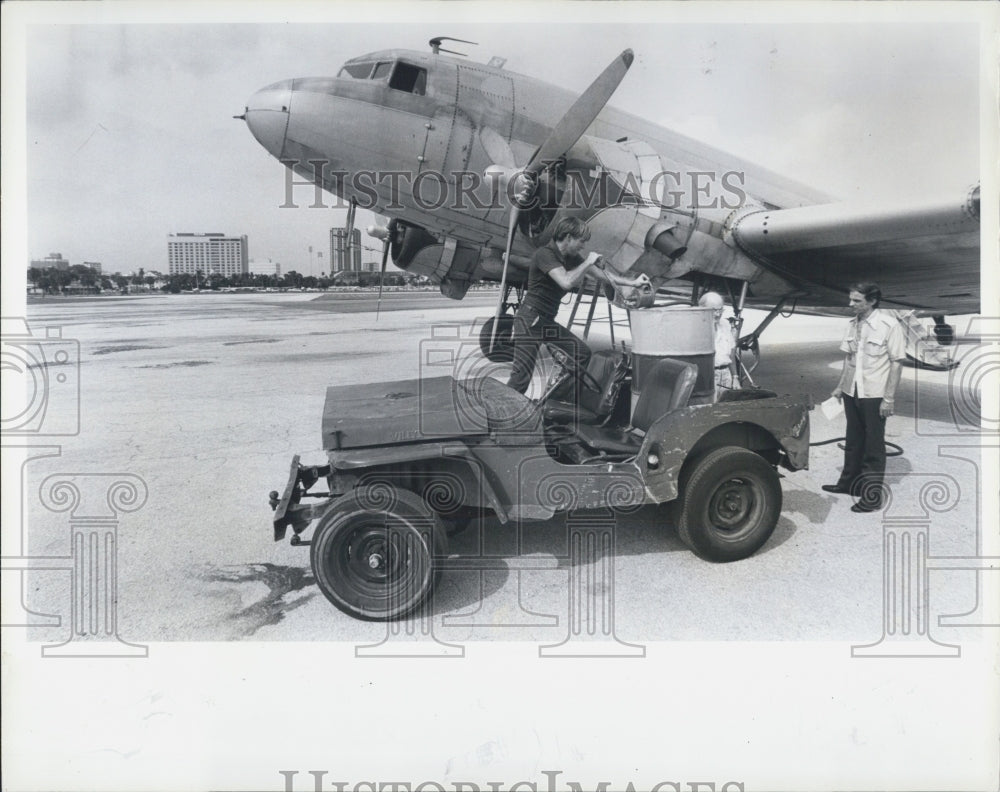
(667,387)
(609,368)
(504,409)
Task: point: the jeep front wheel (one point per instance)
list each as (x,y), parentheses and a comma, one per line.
(376,557)
(729,504)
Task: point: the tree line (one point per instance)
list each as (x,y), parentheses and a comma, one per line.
(78,276)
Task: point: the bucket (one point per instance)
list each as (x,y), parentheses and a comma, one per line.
(681,332)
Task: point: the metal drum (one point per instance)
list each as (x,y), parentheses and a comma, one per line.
(681,332)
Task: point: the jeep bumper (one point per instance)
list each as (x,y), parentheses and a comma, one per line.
(289,511)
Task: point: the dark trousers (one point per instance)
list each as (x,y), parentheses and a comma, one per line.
(531,331)
(864,450)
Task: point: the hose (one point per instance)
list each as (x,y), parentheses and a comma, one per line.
(897,452)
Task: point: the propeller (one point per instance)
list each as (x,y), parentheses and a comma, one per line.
(563,137)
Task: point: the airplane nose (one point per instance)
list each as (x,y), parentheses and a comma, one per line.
(267,115)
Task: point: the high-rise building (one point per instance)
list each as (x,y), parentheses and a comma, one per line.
(94,265)
(338,251)
(52,260)
(209,254)
(265,267)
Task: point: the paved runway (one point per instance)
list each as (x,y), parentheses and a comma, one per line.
(206,397)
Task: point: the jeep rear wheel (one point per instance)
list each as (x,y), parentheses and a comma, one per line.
(378,560)
(729,504)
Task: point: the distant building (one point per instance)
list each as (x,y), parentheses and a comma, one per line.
(94,265)
(265,267)
(338,251)
(209,254)
(52,260)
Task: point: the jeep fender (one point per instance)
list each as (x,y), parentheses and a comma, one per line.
(449,465)
(776,428)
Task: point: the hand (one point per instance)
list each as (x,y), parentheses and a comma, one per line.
(837,394)
(592,259)
(886,408)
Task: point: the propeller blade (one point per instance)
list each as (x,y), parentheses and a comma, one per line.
(381,277)
(562,138)
(496,148)
(582,114)
(349,242)
(514,214)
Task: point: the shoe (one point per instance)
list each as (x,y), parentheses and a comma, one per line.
(835,488)
(861,507)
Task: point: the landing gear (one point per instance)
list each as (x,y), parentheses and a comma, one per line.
(945,333)
(748,347)
(933,350)
(503,344)
(501,348)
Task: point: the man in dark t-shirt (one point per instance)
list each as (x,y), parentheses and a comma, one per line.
(556,268)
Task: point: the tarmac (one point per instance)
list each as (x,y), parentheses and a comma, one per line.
(201,400)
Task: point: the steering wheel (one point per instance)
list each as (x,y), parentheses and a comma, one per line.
(585,377)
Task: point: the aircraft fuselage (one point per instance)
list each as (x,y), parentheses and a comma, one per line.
(399,131)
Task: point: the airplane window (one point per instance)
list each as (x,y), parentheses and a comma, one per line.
(356,71)
(382,71)
(409,78)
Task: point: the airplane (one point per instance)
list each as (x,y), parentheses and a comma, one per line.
(474,165)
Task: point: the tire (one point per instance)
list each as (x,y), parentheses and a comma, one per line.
(729,504)
(945,334)
(503,347)
(378,561)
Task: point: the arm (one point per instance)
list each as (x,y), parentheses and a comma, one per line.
(888,404)
(847,349)
(838,394)
(897,352)
(632,292)
(618,280)
(568,279)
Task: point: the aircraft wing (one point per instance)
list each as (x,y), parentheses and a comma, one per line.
(923,256)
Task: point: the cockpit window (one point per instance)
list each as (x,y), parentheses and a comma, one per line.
(356,71)
(404,77)
(411,79)
(382,71)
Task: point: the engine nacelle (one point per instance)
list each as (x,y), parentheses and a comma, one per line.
(448,263)
(407,242)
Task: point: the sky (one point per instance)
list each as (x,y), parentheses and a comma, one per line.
(130,134)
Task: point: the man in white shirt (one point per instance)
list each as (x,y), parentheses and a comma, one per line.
(875,349)
(725,345)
